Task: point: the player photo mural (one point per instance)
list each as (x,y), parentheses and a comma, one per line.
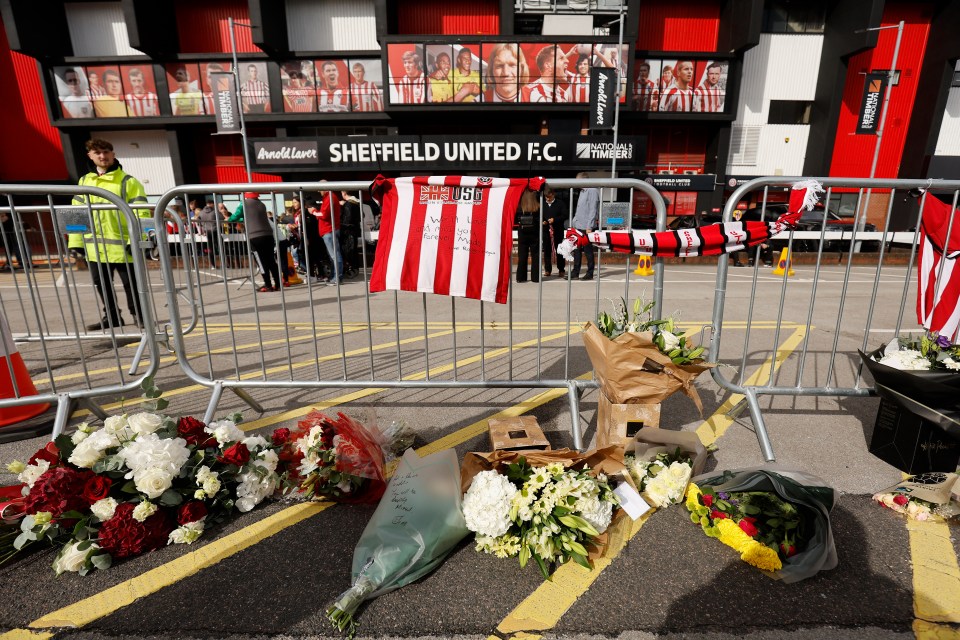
(578,72)
(206,80)
(140,91)
(333,90)
(466,73)
(299,86)
(547,64)
(439,65)
(72,90)
(407,74)
(186,97)
(366,85)
(608,56)
(254,88)
(710,92)
(506,72)
(109,102)
(677,95)
(646,84)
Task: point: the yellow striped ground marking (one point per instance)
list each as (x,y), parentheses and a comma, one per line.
(113,599)
(717,424)
(936,577)
(924,630)
(542,609)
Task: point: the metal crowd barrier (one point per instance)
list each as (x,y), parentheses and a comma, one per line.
(830,335)
(323,337)
(50,302)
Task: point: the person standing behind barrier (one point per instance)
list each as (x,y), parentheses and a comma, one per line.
(312,241)
(11,244)
(209,220)
(586,219)
(556,215)
(329,218)
(528,223)
(107,247)
(351,213)
(260,235)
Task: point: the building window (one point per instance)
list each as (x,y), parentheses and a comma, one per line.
(789,112)
(844,204)
(794,16)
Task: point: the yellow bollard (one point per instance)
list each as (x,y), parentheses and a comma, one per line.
(784,264)
(644,266)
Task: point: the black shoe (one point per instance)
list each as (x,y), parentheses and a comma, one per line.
(105,324)
(589,276)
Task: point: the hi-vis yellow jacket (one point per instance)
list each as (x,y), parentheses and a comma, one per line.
(109,226)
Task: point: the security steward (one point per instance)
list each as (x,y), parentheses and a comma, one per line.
(107,247)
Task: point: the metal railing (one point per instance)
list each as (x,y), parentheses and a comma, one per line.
(312,337)
(830,335)
(47,299)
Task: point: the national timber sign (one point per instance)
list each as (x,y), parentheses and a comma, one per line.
(448,153)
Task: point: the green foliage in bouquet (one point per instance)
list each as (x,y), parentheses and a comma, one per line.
(666,335)
(937,349)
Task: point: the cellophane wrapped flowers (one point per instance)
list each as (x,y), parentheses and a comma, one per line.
(662,481)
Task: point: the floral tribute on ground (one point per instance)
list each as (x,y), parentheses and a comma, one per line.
(928,496)
(778,521)
(139,483)
(547,506)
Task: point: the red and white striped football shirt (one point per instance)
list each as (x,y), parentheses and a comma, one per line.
(413,90)
(145,105)
(708,99)
(449,235)
(938,293)
(365,96)
(331,100)
(580,88)
(676,99)
(540,91)
(644,93)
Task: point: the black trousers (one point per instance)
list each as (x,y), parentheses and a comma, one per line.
(527,250)
(577,255)
(264,248)
(102,274)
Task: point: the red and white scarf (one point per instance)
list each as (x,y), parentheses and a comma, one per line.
(450,235)
(938,292)
(709,240)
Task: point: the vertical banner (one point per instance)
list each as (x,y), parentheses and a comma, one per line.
(225,102)
(873,90)
(602,97)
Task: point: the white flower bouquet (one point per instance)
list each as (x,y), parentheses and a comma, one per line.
(661,462)
(538,507)
(927,496)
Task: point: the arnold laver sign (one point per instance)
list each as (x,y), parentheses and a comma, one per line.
(873,90)
(602,97)
(430,153)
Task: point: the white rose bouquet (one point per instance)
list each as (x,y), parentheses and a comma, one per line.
(662,481)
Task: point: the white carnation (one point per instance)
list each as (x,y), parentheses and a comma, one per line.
(186,534)
(224,431)
(32,472)
(950,363)
(78,437)
(153,452)
(143,511)
(905,360)
(93,448)
(255,442)
(144,423)
(104,509)
(252,489)
(71,558)
(486,505)
(595,511)
(270,459)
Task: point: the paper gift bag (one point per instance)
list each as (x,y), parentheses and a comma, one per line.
(632,370)
(619,423)
(520,433)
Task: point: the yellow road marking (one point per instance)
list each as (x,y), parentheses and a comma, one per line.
(717,424)
(936,574)
(113,599)
(25,634)
(924,630)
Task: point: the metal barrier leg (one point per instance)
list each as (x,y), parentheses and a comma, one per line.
(759,425)
(246,397)
(63,414)
(214,401)
(138,355)
(573,396)
(94,408)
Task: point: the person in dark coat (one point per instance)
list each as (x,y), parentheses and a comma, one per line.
(528,223)
(556,215)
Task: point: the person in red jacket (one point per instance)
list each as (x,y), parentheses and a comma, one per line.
(329,221)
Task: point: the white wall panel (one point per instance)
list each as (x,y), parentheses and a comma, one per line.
(98,29)
(331,25)
(780,151)
(948,144)
(146,156)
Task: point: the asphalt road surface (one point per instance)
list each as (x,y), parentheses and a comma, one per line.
(270,573)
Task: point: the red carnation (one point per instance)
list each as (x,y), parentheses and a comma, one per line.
(192,430)
(50,453)
(748,527)
(788,549)
(718,515)
(901,499)
(121,536)
(191,512)
(58,490)
(96,488)
(707,500)
(238,454)
(281,436)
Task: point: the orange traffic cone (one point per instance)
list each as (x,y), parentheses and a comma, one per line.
(784,264)
(294,278)
(10,360)
(644,266)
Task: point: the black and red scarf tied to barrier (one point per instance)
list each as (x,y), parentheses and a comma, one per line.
(709,240)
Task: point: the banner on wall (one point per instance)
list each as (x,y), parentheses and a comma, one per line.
(873,88)
(448,153)
(603,98)
(225,102)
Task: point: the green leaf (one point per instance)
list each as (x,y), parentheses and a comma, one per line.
(102,561)
(129,487)
(544,569)
(23,540)
(161,404)
(170,498)
(773,522)
(524,555)
(581,559)
(750,510)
